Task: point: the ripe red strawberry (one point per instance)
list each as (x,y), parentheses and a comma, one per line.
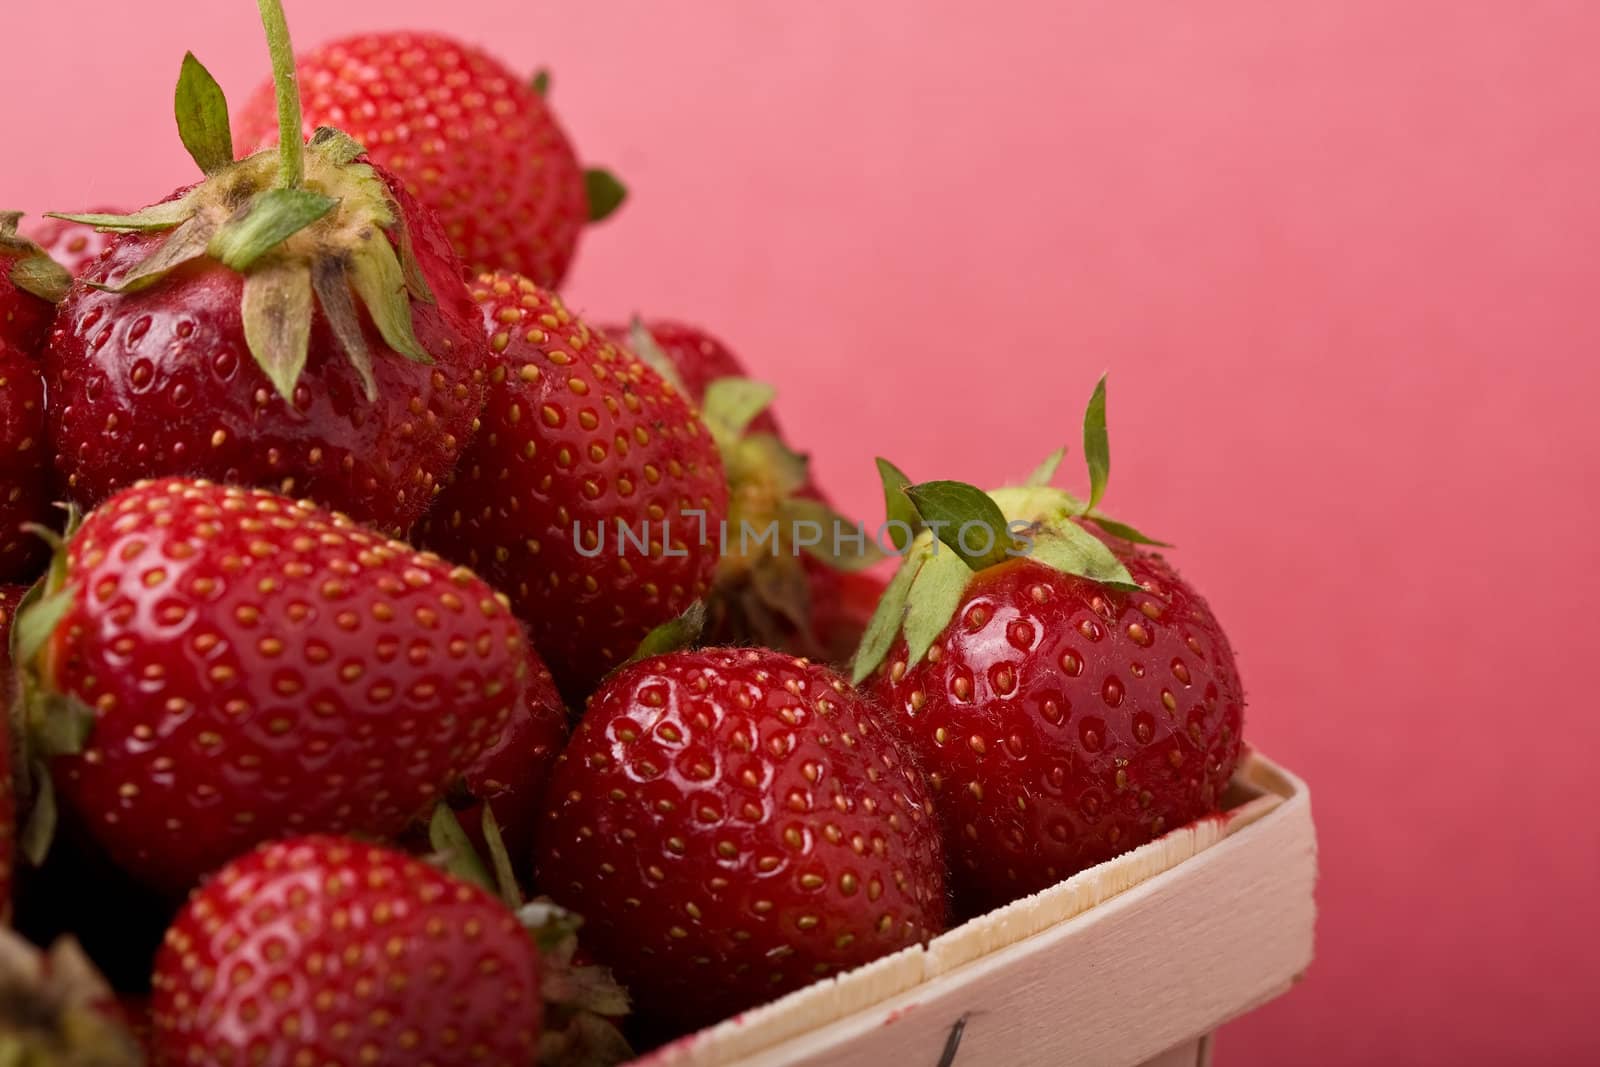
(324,950)
(577,436)
(1069,695)
(475,141)
(25,473)
(780,593)
(295,321)
(74,245)
(738,824)
(30,284)
(212,667)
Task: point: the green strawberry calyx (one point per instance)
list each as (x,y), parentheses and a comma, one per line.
(32,270)
(56,1008)
(581,1000)
(307,224)
(948,532)
(605,193)
(760,578)
(45,722)
(676,634)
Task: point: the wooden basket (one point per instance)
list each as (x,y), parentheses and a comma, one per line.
(1133,962)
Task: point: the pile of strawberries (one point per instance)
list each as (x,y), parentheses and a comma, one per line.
(393,676)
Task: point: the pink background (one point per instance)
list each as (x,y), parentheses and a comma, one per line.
(1341,259)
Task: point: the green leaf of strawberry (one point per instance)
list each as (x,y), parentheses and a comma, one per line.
(605,193)
(903,521)
(331,282)
(187,242)
(885,624)
(1096,445)
(202,113)
(31,270)
(935,592)
(266,222)
(1045,472)
(676,633)
(1070,549)
(277,321)
(156,217)
(731,404)
(500,860)
(381,284)
(964,518)
(453,851)
(1124,531)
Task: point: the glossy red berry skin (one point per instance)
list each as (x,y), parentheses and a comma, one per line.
(72,244)
(736,824)
(325,950)
(1063,722)
(468,135)
(259,667)
(160,382)
(25,476)
(576,436)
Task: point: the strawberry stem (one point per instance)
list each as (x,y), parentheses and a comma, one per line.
(291,145)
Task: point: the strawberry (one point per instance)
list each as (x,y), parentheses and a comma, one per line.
(295,321)
(321,949)
(476,142)
(74,245)
(1069,695)
(581,446)
(782,591)
(56,1009)
(738,824)
(25,476)
(211,667)
(30,284)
